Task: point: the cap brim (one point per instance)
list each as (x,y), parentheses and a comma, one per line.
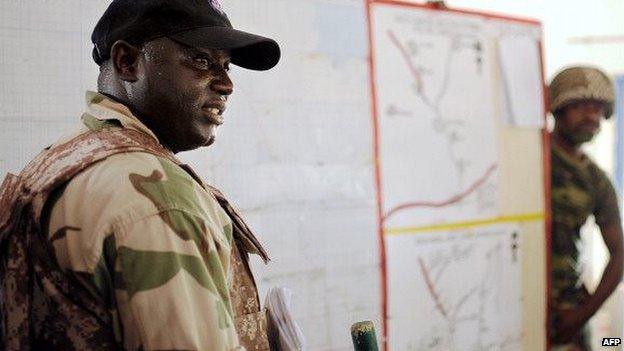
(248,50)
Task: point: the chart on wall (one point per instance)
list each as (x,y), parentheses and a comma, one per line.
(445,83)
(437,136)
(457,293)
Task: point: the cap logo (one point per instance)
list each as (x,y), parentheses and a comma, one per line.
(215,4)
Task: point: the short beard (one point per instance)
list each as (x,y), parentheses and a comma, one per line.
(577,138)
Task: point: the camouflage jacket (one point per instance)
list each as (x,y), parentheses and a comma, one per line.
(109,242)
(579,189)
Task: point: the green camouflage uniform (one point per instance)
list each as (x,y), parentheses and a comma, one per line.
(159,249)
(579,189)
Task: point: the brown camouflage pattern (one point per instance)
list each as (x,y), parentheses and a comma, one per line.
(250,320)
(35,288)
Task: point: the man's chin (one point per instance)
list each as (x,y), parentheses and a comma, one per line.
(195,143)
(210,140)
(579,138)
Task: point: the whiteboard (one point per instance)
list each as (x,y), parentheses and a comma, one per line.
(450,101)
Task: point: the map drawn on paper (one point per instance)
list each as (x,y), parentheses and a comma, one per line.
(437,132)
(462,291)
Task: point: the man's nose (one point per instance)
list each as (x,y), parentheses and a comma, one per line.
(594,115)
(222,84)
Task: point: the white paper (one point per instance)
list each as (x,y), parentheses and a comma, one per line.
(521,77)
(290,335)
(456,290)
(437,139)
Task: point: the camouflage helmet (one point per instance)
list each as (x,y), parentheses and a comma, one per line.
(581,83)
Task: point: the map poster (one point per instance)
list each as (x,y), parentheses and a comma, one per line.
(435,116)
(455,290)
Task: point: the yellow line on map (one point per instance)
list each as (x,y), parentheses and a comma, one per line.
(527,217)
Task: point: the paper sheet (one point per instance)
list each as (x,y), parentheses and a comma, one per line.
(521,75)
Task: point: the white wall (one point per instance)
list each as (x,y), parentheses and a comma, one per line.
(45,68)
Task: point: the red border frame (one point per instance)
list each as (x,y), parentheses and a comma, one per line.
(379,197)
(377,163)
(486,14)
(547,202)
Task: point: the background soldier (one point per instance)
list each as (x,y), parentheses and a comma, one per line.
(580,97)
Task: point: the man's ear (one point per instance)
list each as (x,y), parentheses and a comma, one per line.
(125,60)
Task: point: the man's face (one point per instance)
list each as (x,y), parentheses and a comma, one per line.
(580,121)
(181,92)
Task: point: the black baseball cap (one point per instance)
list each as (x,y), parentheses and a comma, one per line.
(196,23)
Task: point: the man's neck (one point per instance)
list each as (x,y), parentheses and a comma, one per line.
(573,150)
(122,99)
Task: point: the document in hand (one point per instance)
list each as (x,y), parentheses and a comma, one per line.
(278,304)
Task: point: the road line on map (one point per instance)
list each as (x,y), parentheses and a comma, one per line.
(452,200)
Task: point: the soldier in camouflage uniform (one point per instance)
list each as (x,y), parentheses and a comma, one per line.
(579,98)
(134,252)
